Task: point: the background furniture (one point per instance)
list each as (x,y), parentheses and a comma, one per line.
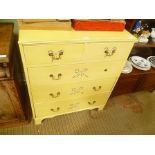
(11,110)
(6,40)
(69,71)
(137,80)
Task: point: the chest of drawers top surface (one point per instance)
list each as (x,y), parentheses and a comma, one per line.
(44,36)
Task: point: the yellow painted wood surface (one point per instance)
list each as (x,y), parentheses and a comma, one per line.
(45,93)
(63,83)
(72,53)
(46,36)
(73,73)
(51,109)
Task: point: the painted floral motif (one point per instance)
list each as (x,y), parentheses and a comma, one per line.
(76,91)
(74,105)
(79,73)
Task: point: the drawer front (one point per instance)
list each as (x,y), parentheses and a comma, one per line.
(50,93)
(73,73)
(47,54)
(67,106)
(108,51)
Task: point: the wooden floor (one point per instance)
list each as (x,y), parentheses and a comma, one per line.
(126,114)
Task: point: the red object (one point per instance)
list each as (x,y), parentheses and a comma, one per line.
(98,25)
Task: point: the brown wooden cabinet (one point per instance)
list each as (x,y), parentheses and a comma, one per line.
(147,81)
(137,80)
(6,43)
(11,108)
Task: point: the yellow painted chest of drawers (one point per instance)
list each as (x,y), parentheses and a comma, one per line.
(69,71)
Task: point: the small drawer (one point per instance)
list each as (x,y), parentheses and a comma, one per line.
(67,106)
(51,54)
(73,73)
(107,51)
(50,93)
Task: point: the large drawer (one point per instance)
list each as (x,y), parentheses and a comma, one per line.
(52,93)
(40,76)
(67,106)
(47,54)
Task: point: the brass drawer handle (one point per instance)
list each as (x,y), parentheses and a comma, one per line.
(55,96)
(55,110)
(109,52)
(55,55)
(58,76)
(113,50)
(106,51)
(97,89)
(91,103)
